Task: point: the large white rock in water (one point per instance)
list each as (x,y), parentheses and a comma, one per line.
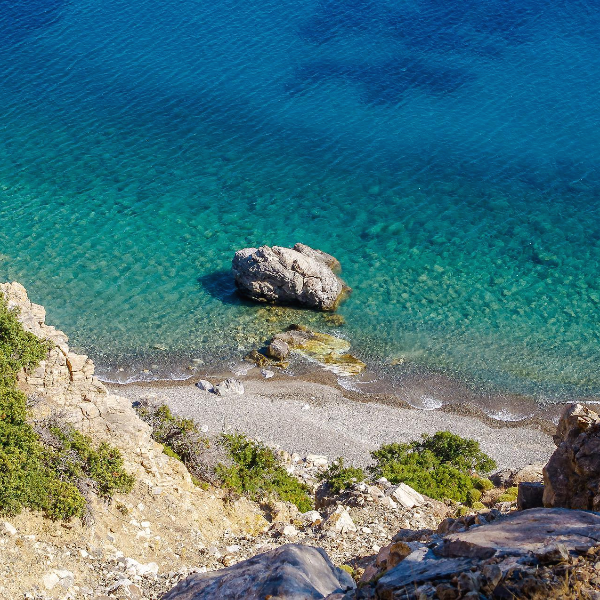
(289,275)
(291,572)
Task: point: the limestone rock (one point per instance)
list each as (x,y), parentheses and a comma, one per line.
(9,529)
(282,512)
(283,275)
(205,386)
(289,531)
(290,572)
(230,387)
(278,349)
(311,518)
(340,521)
(410,572)
(332,262)
(406,496)
(572,475)
(530,495)
(553,553)
(529,474)
(316,460)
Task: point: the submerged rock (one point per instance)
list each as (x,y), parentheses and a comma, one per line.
(290,572)
(300,275)
(572,475)
(278,349)
(331,352)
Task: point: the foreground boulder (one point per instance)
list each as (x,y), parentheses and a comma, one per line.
(524,533)
(524,555)
(572,475)
(290,572)
(299,275)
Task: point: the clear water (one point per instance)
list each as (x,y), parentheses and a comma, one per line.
(446,152)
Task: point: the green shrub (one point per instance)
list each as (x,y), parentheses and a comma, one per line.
(484,484)
(169,452)
(442,466)
(256,471)
(478,506)
(44,468)
(79,460)
(462,453)
(19,349)
(181,439)
(506,498)
(461,511)
(339,478)
(473,495)
(510,495)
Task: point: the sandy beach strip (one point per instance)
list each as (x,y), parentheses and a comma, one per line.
(309,417)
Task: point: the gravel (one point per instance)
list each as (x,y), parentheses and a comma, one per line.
(307,417)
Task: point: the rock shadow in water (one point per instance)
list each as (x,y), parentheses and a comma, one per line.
(221,285)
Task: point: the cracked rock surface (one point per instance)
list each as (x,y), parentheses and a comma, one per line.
(298,275)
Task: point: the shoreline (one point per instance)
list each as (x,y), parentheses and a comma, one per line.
(313,413)
(411,387)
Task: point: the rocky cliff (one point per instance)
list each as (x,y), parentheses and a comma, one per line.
(166,522)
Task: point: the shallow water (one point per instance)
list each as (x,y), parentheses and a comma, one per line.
(446,153)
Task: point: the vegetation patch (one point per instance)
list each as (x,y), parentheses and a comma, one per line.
(338,477)
(484,484)
(256,471)
(441,466)
(181,439)
(232,461)
(510,495)
(51,467)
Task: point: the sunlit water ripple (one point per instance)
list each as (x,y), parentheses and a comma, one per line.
(446,153)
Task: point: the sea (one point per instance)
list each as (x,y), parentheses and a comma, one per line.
(447,153)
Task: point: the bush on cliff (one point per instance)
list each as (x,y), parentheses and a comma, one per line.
(52,467)
(338,477)
(256,471)
(440,466)
(181,439)
(232,461)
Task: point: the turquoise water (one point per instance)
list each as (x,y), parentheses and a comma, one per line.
(446,153)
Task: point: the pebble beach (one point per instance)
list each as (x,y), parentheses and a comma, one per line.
(305,416)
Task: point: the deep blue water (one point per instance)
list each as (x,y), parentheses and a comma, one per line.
(446,152)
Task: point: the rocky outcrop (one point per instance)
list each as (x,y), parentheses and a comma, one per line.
(140,525)
(572,475)
(65,382)
(539,553)
(290,572)
(503,559)
(298,275)
(524,533)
